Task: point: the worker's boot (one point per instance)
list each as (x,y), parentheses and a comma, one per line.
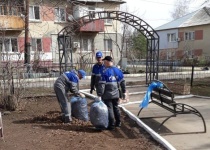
(66,119)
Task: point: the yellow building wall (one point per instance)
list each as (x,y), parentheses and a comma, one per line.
(203,44)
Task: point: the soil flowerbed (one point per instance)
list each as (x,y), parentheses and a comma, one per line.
(39,127)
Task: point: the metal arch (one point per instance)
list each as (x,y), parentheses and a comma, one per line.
(125,17)
(134,21)
(65,46)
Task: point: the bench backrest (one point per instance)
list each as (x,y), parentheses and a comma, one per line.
(163,95)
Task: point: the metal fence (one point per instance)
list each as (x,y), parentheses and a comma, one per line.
(30,80)
(16,77)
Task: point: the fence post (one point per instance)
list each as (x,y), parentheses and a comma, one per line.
(192,75)
(1,127)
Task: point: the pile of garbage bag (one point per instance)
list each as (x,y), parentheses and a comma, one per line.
(79,108)
(99,115)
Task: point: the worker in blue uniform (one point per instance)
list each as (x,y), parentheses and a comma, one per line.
(111,83)
(68,81)
(96,72)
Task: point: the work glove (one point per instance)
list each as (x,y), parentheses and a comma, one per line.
(123,95)
(80,95)
(91,91)
(98,98)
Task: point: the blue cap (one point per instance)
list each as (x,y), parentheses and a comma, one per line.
(99,54)
(82,72)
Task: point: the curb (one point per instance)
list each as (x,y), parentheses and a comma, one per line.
(190,96)
(155,135)
(136,93)
(198,96)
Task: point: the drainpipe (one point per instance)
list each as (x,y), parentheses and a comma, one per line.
(27,44)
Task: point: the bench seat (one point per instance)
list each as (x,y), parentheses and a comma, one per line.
(164,98)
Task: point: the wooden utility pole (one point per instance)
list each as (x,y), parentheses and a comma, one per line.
(27,44)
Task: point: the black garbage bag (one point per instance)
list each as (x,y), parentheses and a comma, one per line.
(99,115)
(79,108)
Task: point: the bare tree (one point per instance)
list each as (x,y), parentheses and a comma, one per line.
(181,7)
(205,3)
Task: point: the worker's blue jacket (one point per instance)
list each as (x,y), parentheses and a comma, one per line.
(111,81)
(72,80)
(96,75)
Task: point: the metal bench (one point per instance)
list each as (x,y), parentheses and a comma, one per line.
(1,126)
(164,98)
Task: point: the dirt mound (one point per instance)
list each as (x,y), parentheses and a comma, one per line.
(40,127)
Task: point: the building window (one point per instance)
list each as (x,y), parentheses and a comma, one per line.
(188,53)
(189,35)
(107,21)
(92,9)
(36,44)
(168,55)
(107,44)
(86,44)
(8,45)
(60,14)
(14,45)
(171,37)
(34,13)
(207,58)
(3,10)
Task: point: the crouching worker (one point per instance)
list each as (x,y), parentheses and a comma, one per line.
(111,81)
(68,81)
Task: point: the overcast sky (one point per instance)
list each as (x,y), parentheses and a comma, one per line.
(155,12)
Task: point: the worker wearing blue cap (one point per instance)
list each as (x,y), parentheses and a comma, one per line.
(68,81)
(97,70)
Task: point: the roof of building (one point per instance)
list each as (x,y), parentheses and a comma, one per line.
(199,17)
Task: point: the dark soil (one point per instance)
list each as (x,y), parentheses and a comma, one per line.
(39,127)
(201,87)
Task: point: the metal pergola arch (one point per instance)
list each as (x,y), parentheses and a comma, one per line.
(65,38)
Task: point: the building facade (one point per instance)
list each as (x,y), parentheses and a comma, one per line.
(100,35)
(186,37)
(46,19)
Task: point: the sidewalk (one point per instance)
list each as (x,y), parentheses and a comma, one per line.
(129,79)
(182,123)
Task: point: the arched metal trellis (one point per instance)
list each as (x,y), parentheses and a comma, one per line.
(65,38)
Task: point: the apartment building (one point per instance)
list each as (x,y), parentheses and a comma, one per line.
(46,19)
(186,37)
(105,36)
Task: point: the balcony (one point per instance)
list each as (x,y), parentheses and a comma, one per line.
(95,26)
(10,18)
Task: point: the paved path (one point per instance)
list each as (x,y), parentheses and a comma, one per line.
(183,123)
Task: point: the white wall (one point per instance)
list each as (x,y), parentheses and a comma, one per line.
(164,44)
